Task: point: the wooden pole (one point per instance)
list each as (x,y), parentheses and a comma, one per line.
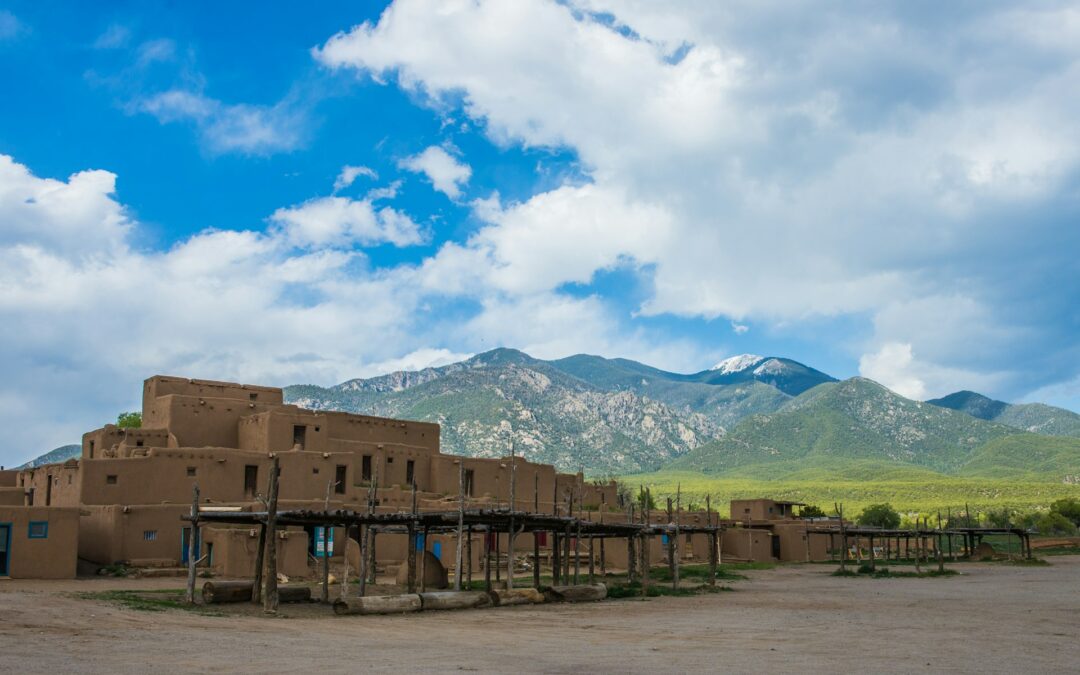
(487,559)
(498,567)
(556,562)
(423,560)
(872,560)
(843,539)
(630,556)
(460,524)
(468,558)
(510,535)
(256,588)
(536,535)
(326,530)
(193,551)
(603,553)
(676,542)
(411,557)
(372,531)
(270,592)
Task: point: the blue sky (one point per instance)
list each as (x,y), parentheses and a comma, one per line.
(309,194)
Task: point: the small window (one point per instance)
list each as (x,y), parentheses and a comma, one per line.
(339,478)
(149,535)
(251,480)
(110,479)
(91,449)
(299,434)
(253,397)
(315,469)
(138,444)
(365,467)
(69,479)
(39,529)
(191,471)
(469,482)
(410,471)
(389,460)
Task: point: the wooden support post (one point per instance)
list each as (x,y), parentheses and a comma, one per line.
(460,524)
(645,553)
(411,558)
(940,552)
(373,497)
(536,535)
(670,540)
(872,560)
(603,553)
(577,553)
(423,560)
(468,558)
(843,539)
(556,564)
(566,551)
(630,555)
(362,534)
(498,567)
(193,548)
(256,588)
(592,562)
(676,542)
(510,533)
(712,558)
(487,560)
(270,592)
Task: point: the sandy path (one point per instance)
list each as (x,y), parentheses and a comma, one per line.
(793,619)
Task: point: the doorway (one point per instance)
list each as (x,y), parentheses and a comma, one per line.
(5,549)
(184,535)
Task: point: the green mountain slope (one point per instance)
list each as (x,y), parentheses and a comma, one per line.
(504,400)
(1029,456)
(1037,418)
(725,405)
(853,419)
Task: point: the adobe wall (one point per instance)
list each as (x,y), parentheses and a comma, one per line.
(747,544)
(53,556)
(140,535)
(234,551)
(793,543)
(8,478)
(52,484)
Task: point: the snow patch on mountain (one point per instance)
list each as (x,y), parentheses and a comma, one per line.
(770,367)
(737,364)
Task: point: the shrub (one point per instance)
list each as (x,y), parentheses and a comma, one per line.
(1068,508)
(879,515)
(1054,523)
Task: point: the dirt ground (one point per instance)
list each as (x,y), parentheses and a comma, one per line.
(992,618)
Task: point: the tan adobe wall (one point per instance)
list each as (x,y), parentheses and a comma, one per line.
(165,385)
(793,543)
(747,544)
(9,478)
(52,484)
(12,496)
(52,557)
(233,551)
(96,442)
(146,535)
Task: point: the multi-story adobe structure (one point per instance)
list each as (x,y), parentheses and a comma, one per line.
(123,500)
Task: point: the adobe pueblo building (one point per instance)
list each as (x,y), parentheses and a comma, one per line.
(125,499)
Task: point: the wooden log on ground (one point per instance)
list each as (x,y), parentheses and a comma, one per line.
(579,593)
(455,600)
(518,596)
(217,592)
(379,604)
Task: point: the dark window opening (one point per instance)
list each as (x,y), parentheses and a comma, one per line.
(299,432)
(469,482)
(339,477)
(365,467)
(315,469)
(410,476)
(138,444)
(191,471)
(48,491)
(30,497)
(251,480)
(91,449)
(110,479)
(389,460)
(253,397)
(39,529)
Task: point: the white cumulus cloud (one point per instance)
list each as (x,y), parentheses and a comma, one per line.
(446,173)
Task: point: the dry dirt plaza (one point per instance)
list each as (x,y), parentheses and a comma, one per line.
(795,618)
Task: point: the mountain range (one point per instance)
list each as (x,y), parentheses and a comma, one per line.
(748,415)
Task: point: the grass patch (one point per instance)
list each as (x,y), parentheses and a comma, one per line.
(632,591)
(865,572)
(148,601)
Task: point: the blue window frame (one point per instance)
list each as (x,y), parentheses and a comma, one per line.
(38,529)
(5,548)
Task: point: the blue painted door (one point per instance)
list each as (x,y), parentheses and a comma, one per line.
(5,549)
(436,548)
(184,545)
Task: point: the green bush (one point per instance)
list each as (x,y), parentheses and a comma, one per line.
(879,515)
(1068,508)
(129,420)
(1054,523)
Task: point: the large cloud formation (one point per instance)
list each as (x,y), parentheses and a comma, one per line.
(782,161)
